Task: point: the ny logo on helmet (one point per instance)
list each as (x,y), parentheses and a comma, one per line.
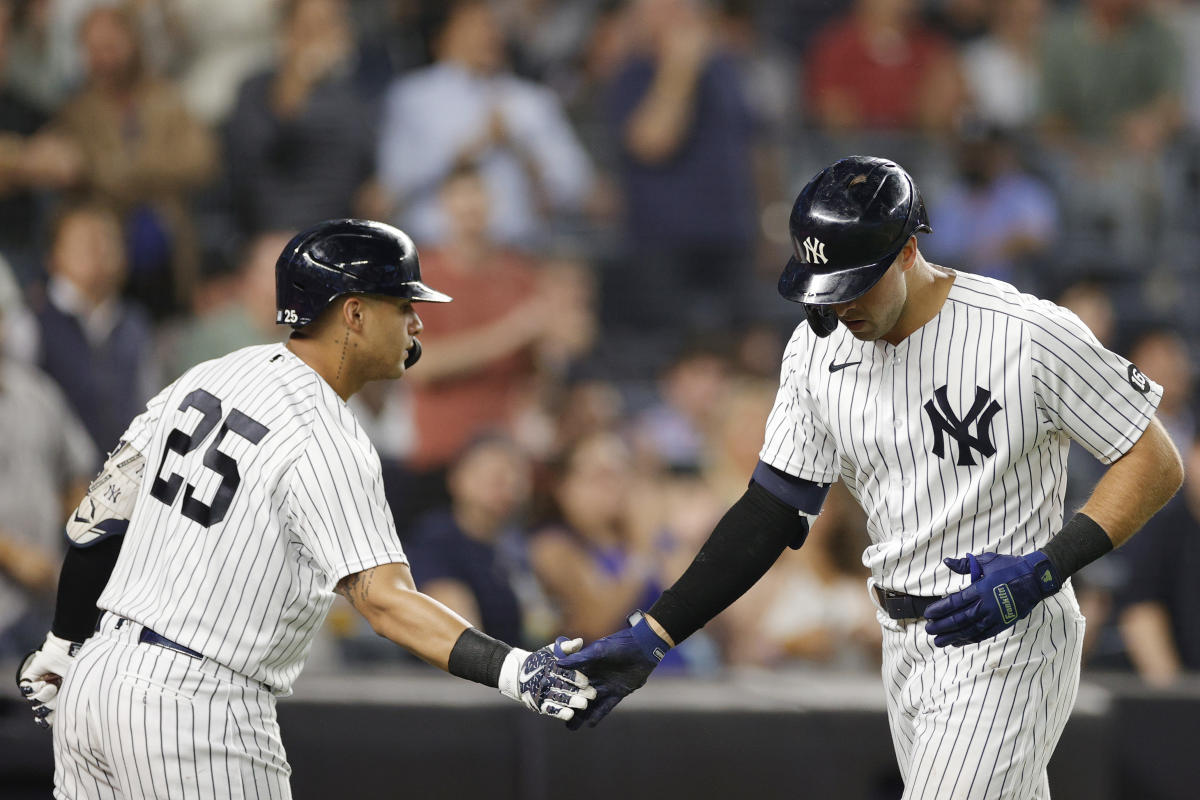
(814,251)
(947,422)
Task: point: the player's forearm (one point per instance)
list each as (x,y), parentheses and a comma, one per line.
(411,619)
(658,125)
(1136,485)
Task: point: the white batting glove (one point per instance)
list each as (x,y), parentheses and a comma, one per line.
(42,672)
(537,681)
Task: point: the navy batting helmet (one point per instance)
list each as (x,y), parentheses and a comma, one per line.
(344,256)
(847,226)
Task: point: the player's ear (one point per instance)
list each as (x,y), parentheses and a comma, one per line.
(353,310)
(908,255)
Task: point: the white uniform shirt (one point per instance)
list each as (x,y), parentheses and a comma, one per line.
(261,493)
(956,439)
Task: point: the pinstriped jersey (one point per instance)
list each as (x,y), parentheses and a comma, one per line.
(261,492)
(955,440)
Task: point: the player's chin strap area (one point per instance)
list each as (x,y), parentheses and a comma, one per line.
(414,354)
(822,319)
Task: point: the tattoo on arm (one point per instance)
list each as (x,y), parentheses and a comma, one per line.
(357,587)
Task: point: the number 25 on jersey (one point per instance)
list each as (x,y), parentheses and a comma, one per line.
(167,489)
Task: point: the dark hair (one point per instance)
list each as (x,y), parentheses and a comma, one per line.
(77,207)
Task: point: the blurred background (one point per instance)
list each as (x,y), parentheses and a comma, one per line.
(603,186)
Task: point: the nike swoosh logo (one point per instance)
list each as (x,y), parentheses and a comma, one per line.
(835,367)
(524,676)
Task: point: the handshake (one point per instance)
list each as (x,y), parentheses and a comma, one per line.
(580,685)
(564,680)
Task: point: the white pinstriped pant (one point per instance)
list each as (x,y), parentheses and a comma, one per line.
(144,721)
(981,722)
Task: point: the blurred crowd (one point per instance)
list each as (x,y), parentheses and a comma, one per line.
(603,186)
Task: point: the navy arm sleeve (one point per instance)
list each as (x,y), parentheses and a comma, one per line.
(85,572)
(743,546)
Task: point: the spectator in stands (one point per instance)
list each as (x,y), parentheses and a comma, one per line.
(1183,17)
(1111,98)
(483,347)
(1003,68)
(463,555)
(45,465)
(600,555)
(686,131)
(733,438)
(468,107)
(95,345)
(301,138)
(18,326)
(813,608)
(143,152)
(27,163)
(218,44)
(45,62)
(671,432)
(238,310)
(996,218)
(963,21)
(1159,616)
(878,68)
(589,405)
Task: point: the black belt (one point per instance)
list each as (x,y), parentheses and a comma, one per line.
(899,605)
(148,636)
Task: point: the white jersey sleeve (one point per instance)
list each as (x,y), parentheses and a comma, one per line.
(1092,394)
(797,439)
(141,430)
(338,506)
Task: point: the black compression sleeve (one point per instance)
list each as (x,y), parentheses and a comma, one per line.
(85,571)
(477,657)
(743,546)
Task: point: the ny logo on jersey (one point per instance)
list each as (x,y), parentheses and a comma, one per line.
(812,251)
(947,422)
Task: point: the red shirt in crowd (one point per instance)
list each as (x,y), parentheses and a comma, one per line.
(883,84)
(451,411)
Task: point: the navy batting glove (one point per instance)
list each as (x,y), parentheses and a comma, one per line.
(1003,589)
(615,666)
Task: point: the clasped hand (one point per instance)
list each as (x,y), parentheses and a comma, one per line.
(1003,589)
(540,681)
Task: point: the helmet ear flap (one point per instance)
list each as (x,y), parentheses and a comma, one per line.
(822,319)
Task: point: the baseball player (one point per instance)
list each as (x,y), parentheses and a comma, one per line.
(946,402)
(234,507)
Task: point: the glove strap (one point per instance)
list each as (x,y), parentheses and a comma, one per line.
(1047,575)
(650,643)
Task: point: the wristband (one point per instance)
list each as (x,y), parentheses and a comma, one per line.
(477,657)
(1080,542)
